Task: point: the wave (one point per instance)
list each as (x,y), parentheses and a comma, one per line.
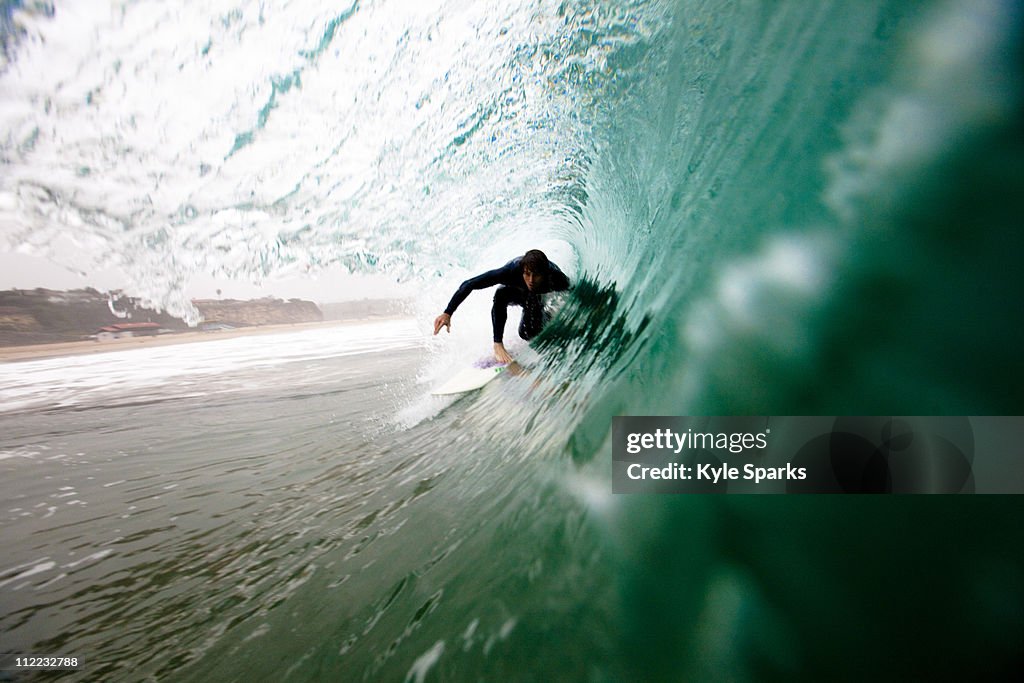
(729,171)
(767,208)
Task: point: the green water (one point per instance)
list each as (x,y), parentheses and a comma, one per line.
(769,208)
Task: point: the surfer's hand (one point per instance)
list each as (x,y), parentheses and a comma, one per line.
(443,320)
(500,354)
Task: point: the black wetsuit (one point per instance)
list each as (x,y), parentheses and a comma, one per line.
(512,292)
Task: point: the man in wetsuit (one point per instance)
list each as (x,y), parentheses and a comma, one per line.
(522,280)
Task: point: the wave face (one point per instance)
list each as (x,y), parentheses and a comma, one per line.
(768,208)
(786,200)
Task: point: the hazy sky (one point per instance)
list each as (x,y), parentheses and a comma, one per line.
(28,272)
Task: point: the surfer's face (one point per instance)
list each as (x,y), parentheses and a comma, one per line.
(532,280)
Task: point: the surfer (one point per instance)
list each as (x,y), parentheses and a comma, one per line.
(522,280)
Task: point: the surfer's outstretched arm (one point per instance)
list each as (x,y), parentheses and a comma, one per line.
(482,281)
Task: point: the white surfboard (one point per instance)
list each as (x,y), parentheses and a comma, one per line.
(468,380)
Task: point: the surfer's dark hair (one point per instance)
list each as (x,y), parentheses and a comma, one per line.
(536,262)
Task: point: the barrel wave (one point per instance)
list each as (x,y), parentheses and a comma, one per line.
(766,208)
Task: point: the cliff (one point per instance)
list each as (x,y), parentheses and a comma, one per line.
(267,311)
(42,316)
(364,309)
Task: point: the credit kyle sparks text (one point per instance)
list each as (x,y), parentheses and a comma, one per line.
(716,473)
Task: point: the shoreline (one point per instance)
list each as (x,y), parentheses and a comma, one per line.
(13,354)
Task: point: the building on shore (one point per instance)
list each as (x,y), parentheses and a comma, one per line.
(126,330)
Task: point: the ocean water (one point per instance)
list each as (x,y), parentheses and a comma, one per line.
(767,208)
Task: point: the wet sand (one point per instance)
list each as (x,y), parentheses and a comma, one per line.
(37,351)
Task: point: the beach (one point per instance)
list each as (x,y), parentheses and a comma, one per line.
(39,351)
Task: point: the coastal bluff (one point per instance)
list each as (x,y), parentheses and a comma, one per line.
(45,316)
(266,311)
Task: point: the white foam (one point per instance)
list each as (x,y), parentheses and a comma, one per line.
(176,370)
(94,557)
(424,663)
(42,566)
(18,453)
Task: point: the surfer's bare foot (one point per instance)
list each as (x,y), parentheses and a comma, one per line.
(500,354)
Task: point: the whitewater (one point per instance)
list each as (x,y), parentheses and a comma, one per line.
(766,208)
